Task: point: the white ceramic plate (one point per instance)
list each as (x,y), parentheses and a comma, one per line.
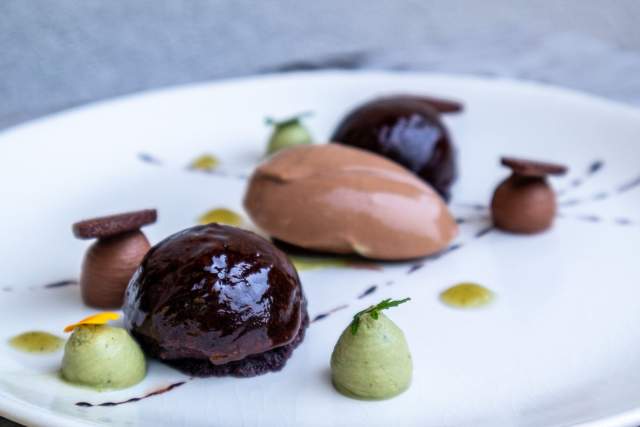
(559,346)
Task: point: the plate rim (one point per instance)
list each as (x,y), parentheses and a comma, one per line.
(110,102)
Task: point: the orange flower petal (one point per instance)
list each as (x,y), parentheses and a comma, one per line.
(96,319)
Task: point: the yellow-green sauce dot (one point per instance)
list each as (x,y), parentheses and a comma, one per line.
(306,263)
(36,342)
(221,216)
(205,163)
(309,263)
(467,295)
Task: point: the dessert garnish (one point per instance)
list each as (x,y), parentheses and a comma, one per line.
(216,300)
(371,359)
(94,319)
(525,202)
(337,199)
(110,262)
(374,311)
(467,295)
(102,357)
(406,129)
(221,216)
(36,342)
(288,133)
(205,163)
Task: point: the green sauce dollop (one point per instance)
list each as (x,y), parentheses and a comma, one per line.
(221,216)
(36,342)
(467,295)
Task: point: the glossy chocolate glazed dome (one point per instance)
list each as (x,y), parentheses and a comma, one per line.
(408,130)
(217,300)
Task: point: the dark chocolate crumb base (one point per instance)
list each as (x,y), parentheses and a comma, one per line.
(251,366)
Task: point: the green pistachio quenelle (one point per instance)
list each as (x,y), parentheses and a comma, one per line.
(288,133)
(372,359)
(103,357)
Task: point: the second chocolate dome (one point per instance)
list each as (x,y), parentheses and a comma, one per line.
(408,130)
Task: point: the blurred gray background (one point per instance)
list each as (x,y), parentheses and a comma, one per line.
(64,53)
(58,54)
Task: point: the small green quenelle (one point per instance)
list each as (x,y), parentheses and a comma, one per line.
(371,360)
(288,133)
(103,357)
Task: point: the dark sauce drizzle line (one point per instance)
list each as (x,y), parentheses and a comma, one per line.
(593,168)
(371,289)
(329,313)
(603,195)
(54,285)
(61,284)
(148,158)
(456,246)
(134,399)
(622,221)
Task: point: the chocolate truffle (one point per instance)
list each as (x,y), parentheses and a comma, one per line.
(110,262)
(215,300)
(406,129)
(525,203)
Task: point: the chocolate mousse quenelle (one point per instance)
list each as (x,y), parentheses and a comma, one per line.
(338,199)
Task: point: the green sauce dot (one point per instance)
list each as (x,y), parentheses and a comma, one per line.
(221,216)
(36,342)
(466,295)
(205,163)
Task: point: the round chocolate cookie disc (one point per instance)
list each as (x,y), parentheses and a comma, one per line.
(217,300)
(535,168)
(109,226)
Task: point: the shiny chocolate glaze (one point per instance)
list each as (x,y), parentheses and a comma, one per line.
(214,293)
(408,130)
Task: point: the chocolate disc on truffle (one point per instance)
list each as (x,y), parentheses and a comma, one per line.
(217,300)
(113,225)
(408,130)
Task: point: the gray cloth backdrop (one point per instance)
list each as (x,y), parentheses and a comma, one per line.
(57,54)
(60,53)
